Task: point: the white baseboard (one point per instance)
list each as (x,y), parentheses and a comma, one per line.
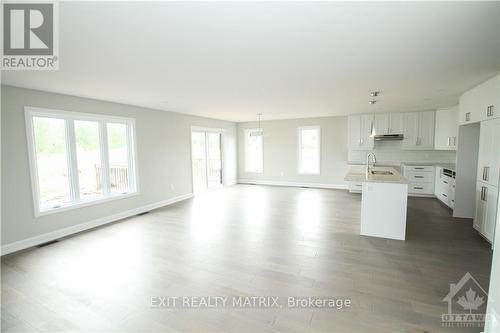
(231,182)
(293,184)
(53,235)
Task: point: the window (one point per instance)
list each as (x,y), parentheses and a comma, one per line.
(79,159)
(254,160)
(309,139)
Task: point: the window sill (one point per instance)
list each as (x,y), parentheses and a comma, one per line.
(83,203)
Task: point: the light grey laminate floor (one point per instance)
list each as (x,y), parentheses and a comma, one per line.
(246,241)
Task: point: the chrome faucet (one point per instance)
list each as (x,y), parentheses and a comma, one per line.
(368,162)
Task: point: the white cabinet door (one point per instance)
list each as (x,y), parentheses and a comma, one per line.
(489,93)
(438,185)
(366,131)
(410,129)
(488,168)
(491,198)
(396,123)
(381,123)
(480,208)
(469,107)
(354,131)
(426,129)
(446,129)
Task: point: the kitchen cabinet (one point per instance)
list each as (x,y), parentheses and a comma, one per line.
(381,123)
(418,130)
(360,130)
(396,123)
(486,209)
(489,96)
(446,129)
(469,107)
(481,102)
(444,187)
(421,179)
(488,167)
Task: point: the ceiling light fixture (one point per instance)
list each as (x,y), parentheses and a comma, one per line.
(374,93)
(260,132)
(372,102)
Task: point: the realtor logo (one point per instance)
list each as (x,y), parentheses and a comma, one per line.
(466,304)
(30,36)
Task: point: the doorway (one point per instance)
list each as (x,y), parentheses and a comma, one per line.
(206,159)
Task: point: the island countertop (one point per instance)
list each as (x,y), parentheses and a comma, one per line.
(358,174)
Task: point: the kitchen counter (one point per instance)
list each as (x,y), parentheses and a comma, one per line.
(358,174)
(450,166)
(383,202)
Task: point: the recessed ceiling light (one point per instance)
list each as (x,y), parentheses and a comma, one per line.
(372,102)
(374,93)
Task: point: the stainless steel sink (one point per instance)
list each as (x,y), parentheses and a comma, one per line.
(381,172)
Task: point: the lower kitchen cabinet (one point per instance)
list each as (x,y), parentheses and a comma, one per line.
(486,209)
(444,188)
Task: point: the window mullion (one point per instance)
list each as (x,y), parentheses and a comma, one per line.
(131,158)
(103,133)
(72,160)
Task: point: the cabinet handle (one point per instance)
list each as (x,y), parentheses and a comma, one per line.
(418,188)
(444,195)
(467,116)
(489,110)
(418,168)
(484,192)
(418,176)
(486,171)
(444,181)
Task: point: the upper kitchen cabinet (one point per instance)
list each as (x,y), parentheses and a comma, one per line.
(418,130)
(468,107)
(381,123)
(446,129)
(396,123)
(481,102)
(489,93)
(360,130)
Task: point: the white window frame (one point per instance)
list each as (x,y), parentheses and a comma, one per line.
(299,149)
(247,133)
(70,117)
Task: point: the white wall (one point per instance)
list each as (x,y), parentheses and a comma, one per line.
(280,151)
(163,149)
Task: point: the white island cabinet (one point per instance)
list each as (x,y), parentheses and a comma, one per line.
(383,202)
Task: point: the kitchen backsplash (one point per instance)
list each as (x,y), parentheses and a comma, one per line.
(391,153)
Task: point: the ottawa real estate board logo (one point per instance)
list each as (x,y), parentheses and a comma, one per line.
(30,36)
(466,304)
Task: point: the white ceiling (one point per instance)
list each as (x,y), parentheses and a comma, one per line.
(231,60)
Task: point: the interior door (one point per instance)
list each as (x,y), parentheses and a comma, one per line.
(206,160)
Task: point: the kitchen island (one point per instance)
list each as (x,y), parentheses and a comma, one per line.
(384,201)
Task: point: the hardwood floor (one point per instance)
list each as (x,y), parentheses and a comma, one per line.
(242,241)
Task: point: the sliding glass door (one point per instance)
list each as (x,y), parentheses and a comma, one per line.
(207,159)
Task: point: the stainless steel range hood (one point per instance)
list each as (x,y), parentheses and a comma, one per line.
(388,137)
